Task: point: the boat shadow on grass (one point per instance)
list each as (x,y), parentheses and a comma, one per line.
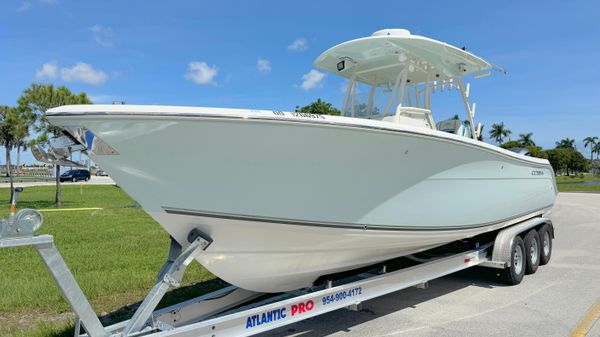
(172,297)
(344,320)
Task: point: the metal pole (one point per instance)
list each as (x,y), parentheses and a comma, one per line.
(171,276)
(77,326)
(13,206)
(417,96)
(347,98)
(467,106)
(70,289)
(427,97)
(403,85)
(352,108)
(401,77)
(370,106)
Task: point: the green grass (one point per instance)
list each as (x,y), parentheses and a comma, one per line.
(573,183)
(578,188)
(114,254)
(576,179)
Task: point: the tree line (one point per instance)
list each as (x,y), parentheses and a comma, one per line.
(24,124)
(564,158)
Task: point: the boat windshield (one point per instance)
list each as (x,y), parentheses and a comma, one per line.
(407,103)
(377,102)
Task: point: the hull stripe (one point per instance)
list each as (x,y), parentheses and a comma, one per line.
(341,225)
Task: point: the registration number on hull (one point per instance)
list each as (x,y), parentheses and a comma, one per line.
(298,114)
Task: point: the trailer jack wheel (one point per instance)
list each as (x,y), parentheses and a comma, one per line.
(514,274)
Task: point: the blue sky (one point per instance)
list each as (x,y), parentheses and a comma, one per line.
(259,54)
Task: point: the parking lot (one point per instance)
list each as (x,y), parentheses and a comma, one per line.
(556,301)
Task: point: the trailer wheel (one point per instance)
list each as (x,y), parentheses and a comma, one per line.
(514,274)
(532,251)
(545,244)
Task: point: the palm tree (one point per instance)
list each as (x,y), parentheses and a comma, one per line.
(21,145)
(35,101)
(499,132)
(591,141)
(596,150)
(566,143)
(595,169)
(13,128)
(525,139)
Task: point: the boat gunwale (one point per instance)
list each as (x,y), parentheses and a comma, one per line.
(373,125)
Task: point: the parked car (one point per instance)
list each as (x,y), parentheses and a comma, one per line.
(101,173)
(75,175)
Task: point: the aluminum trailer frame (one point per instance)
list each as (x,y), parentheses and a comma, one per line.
(219,313)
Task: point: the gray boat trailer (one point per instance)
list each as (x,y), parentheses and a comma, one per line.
(234,311)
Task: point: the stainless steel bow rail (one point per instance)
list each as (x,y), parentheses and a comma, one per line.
(237,312)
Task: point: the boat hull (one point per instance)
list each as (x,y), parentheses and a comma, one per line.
(287,199)
(279,256)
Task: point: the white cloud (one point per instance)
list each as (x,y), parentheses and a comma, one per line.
(201,72)
(25,5)
(263,65)
(48,71)
(299,44)
(102,35)
(312,80)
(83,72)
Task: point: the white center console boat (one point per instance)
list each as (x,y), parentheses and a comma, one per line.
(286,197)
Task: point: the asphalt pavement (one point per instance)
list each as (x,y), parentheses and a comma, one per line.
(555,301)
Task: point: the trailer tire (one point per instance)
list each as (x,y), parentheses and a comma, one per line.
(545,244)
(532,251)
(514,274)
